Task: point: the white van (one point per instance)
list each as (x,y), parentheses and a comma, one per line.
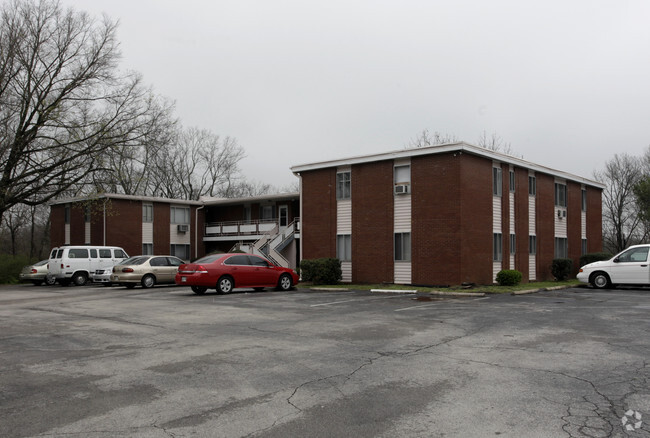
(77,263)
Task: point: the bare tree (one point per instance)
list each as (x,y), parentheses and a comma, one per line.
(62,101)
(425,138)
(622,224)
(495,143)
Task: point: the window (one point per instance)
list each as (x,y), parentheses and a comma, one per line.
(634,255)
(158,261)
(180,251)
(497,181)
(402,247)
(266,212)
(147,212)
(147,249)
(78,253)
(258,261)
(66,214)
(119,254)
(513,243)
(344,247)
(247,213)
(512,181)
(532,245)
(583,249)
(180,215)
(532,185)
(343,185)
(105,254)
(497,252)
(561,251)
(560,195)
(239,260)
(584,200)
(87,214)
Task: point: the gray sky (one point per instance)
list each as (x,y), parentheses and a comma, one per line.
(566,83)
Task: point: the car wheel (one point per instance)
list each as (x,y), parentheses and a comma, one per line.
(129,285)
(600,280)
(80,278)
(285,282)
(50,280)
(225,285)
(199,290)
(148,281)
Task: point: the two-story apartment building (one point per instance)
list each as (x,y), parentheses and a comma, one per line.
(447,214)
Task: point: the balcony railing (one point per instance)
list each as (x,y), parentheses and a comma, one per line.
(243,228)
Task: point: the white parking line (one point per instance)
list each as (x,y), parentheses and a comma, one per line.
(437,303)
(357,299)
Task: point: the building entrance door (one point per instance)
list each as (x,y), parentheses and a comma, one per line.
(283,215)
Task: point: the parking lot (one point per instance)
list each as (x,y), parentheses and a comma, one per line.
(105,362)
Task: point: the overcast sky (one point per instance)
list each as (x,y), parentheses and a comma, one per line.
(566,83)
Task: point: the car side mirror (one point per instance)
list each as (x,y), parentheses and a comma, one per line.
(616,260)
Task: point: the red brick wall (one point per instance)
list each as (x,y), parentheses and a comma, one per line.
(318,228)
(574,223)
(594,220)
(436,219)
(57,225)
(124,225)
(476,220)
(545,224)
(161,228)
(372,222)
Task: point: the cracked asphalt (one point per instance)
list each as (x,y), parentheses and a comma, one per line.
(111,362)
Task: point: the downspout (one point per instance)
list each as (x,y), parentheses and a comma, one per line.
(196,232)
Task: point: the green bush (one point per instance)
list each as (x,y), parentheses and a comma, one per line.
(508,277)
(561,268)
(585,259)
(10,267)
(321,271)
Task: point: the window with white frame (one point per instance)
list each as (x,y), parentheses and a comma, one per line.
(147,249)
(180,215)
(513,243)
(343,185)
(66,214)
(583,248)
(512,181)
(584,200)
(344,247)
(87,213)
(532,244)
(402,247)
(497,247)
(180,251)
(402,178)
(147,212)
(532,186)
(497,181)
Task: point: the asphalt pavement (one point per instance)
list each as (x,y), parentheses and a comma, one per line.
(111,362)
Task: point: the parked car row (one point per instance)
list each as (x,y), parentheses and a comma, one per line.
(109,265)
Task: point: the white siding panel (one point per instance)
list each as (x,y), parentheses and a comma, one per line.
(496,215)
(402,216)
(512,213)
(147,232)
(346,272)
(583,224)
(532,267)
(67,234)
(344,216)
(402,273)
(496,268)
(87,234)
(531,215)
(176,238)
(560,223)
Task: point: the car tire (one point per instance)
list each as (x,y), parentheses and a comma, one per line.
(600,280)
(225,285)
(285,283)
(80,278)
(199,290)
(148,281)
(50,280)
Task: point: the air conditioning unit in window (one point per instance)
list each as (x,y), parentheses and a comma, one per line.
(402,189)
(183,228)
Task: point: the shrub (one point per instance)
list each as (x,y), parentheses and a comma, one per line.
(585,259)
(508,277)
(321,271)
(10,267)
(561,268)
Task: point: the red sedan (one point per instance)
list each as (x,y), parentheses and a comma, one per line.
(225,272)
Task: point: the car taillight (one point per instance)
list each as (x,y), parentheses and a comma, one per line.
(201,270)
(127,269)
(34,271)
(62,267)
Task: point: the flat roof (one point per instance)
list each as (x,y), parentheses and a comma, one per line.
(445,148)
(126,198)
(250,199)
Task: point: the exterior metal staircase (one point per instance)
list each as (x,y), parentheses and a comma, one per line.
(272,243)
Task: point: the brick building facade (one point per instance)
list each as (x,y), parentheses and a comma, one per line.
(445,215)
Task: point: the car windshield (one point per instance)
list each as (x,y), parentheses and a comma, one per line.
(41,263)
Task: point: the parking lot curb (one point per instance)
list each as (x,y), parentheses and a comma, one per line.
(458,294)
(329,289)
(527,291)
(394,291)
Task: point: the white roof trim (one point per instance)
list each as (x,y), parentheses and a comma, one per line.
(440,149)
